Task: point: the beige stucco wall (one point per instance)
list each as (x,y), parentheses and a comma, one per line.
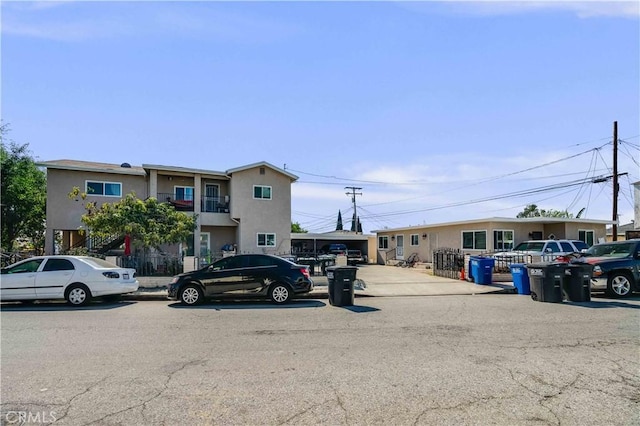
(258,215)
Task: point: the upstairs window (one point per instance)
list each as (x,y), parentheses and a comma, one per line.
(105,189)
(184,193)
(262,192)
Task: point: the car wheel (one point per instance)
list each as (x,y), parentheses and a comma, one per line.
(280,293)
(619,285)
(191,295)
(78,295)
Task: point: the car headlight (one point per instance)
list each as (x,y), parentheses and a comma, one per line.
(174,280)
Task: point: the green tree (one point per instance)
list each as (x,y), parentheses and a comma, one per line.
(148,222)
(532,210)
(295,227)
(24,196)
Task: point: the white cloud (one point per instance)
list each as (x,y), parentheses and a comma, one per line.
(582,8)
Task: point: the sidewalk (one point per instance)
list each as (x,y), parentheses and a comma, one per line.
(378,281)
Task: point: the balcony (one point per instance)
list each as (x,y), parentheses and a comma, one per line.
(207,204)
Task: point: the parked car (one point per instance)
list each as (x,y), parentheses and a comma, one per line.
(616,267)
(548,249)
(243,275)
(336,249)
(354,257)
(75,278)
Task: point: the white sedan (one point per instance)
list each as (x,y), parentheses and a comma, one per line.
(74,278)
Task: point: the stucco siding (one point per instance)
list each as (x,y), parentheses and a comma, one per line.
(65,213)
(256,216)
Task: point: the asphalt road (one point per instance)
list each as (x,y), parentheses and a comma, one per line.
(452,360)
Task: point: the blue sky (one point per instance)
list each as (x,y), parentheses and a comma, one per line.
(439,111)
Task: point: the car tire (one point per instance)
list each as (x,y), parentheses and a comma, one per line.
(191,295)
(280,293)
(78,295)
(619,284)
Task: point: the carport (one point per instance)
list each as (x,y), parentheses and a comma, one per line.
(309,244)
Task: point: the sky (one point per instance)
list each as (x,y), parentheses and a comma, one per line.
(437,111)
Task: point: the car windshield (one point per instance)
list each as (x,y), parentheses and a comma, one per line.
(530,246)
(611,250)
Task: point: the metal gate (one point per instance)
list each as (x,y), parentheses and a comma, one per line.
(447,262)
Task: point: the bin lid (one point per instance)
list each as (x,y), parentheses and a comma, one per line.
(348,267)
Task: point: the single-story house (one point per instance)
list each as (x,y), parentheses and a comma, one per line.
(482,236)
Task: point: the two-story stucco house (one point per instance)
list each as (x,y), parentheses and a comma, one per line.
(248,207)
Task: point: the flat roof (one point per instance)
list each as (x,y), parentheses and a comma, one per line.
(90,166)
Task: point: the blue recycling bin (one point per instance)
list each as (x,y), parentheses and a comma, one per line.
(520,278)
(482,269)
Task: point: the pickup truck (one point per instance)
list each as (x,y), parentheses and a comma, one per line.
(354,257)
(616,267)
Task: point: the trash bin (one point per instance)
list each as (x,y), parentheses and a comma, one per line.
(547,281)
(577,286)
(482,269)
(520,278)
(341,279)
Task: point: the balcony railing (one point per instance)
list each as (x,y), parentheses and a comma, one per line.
(207,204)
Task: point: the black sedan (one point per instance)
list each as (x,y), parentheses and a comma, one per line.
(243,275)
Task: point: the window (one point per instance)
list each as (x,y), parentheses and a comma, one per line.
(415,239)
(502,240)
(266,240)
(474,240)
(58,265)
(262,192)
(383,242)
(184,193)
(29,266)
(588,236)
(106,189)
(552,247)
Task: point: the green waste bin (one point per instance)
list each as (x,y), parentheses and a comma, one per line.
(341,280)
(577,285)
(546,281)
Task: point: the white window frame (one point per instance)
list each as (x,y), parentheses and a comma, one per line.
(193,192)
(103,183)
(588,231)
(382,238)
(503,248)
(262,197)
(474,231)
(266,236)
(416,242)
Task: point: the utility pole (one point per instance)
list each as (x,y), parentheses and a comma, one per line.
(353,194)
(615,181)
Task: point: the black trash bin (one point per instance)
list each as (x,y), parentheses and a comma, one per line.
(577,286)
(341,280)
(546,281)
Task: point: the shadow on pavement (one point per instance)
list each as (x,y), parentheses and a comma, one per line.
(358,309)
(219,305)
(63,306)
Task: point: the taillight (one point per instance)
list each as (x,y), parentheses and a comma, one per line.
(305,272)
(111,274)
